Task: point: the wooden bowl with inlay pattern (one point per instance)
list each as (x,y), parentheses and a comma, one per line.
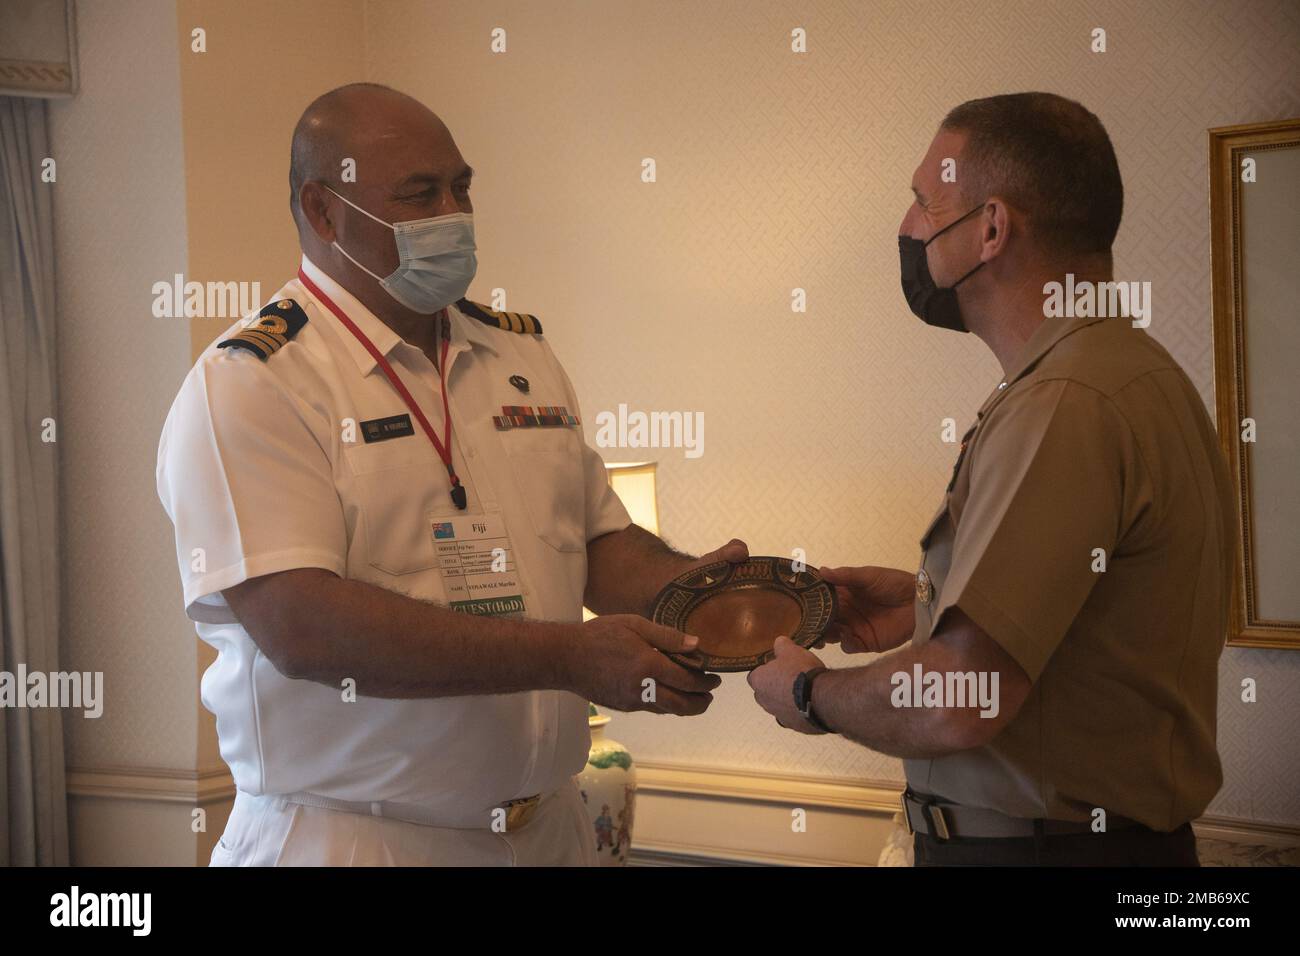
(738,610)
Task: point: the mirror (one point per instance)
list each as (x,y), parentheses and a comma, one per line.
(1255,250)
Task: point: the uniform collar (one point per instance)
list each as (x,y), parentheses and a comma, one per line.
(465,332)
(1049,332)
(381,336)
(469,331)
(1046,337)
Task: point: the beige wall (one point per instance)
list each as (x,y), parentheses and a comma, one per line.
(264,63)
(169,161)
(778,171)
(120,225)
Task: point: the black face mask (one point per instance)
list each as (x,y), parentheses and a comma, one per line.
(931,304)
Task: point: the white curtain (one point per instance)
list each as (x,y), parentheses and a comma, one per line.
(33,798)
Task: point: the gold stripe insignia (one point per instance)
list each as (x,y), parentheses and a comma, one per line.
(519,322)
(274,326)
(272,342)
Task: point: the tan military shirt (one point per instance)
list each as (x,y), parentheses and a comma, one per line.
(1096,440)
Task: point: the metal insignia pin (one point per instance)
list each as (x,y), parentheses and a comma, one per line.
(519,382)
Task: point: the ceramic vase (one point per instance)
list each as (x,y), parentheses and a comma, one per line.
(608,785)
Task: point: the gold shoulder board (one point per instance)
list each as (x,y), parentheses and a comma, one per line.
(509,321)
(274,326)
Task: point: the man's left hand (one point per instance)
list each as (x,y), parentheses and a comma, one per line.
(773,684)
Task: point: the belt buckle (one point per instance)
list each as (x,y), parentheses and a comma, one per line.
(520,811)
(931,812)
(938,822)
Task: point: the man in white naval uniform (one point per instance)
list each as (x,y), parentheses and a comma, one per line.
(387,524)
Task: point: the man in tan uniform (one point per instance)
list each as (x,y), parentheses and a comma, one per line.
(1056,704)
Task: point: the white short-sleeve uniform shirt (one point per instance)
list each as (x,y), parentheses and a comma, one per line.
(256,476)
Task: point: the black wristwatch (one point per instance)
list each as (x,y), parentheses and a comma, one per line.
(803,688)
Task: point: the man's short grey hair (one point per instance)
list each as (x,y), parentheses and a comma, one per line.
(1051,159)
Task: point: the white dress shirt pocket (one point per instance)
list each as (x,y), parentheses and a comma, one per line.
(547,468)
(395,482)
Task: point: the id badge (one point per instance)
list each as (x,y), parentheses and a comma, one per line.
(477,564)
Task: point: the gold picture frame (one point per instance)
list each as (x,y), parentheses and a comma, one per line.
(1255,287)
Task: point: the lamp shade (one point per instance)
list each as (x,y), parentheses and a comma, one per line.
(634,483)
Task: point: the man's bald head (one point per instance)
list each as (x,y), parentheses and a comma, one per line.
(408,168)
(343,124)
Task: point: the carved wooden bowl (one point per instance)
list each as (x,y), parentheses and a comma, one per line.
(737,611)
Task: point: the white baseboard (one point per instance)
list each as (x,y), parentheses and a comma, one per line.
(685,816)
(708,816)
(145,816)
(700,816)
(1232,830)
(160,784)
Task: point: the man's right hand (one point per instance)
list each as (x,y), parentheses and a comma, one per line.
(611,657)
(875,608)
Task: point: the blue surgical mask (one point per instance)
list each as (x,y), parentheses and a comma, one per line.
(435,260)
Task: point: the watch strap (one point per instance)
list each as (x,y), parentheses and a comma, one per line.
(803,688)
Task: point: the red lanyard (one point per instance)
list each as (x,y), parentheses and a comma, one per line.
(443,448)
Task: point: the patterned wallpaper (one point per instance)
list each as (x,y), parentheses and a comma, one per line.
(778,170)
(119,210)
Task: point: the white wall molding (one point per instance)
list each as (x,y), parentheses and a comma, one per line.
(153,784)
(145,816)
(686,815)
(840,793)
(694,815)
(1233,830)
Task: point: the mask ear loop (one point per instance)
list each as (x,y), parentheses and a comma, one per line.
(927,242)
(364,213)
(389,224)
(363,268)
(978,266)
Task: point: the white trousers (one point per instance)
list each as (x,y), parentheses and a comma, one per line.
(270,831)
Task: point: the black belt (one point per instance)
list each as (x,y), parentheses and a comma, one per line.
(927,814)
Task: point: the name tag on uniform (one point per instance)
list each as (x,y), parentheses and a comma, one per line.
(382,429)
(477,564)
